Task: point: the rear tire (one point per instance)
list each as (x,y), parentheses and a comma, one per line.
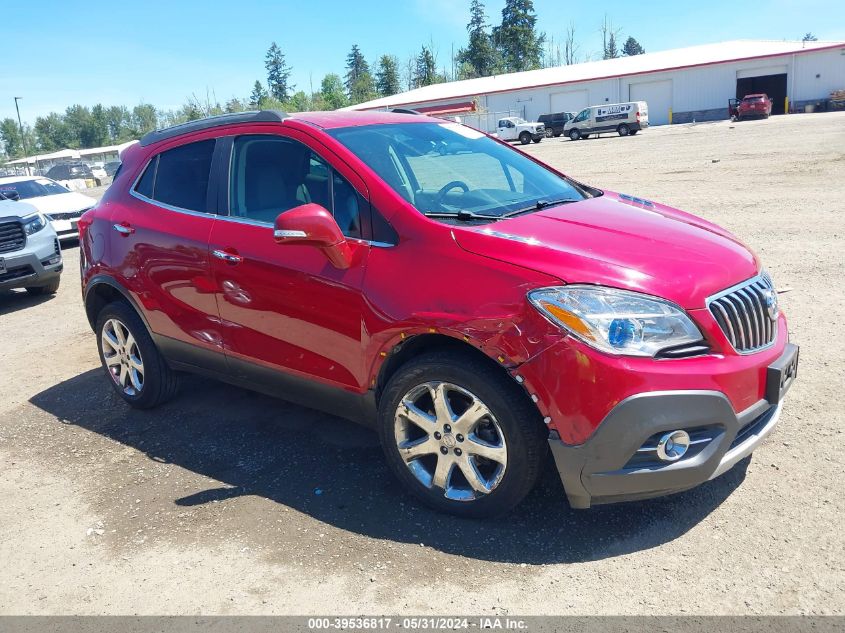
(623,129)
(50,289)
(423,447)
(574,135)
(525,138)
(137,371)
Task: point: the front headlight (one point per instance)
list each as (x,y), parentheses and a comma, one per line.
(616,321)
(34,224)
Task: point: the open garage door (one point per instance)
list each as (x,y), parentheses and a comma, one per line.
(772,85)
(572,101)
(658,96)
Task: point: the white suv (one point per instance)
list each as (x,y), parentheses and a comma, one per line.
(30,256)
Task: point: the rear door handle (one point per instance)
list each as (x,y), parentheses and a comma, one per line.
(123,229)
(229,258)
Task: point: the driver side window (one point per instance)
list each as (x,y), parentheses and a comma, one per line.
(582,116)
(270,175)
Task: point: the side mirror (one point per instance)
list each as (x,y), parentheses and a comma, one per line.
(10,195)
(312,225)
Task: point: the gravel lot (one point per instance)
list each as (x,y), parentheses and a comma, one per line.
(228,502)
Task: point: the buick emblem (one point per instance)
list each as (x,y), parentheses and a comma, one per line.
(771,299)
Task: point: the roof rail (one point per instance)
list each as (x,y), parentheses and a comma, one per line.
(252,116)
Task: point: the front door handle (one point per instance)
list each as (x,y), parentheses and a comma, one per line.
(123,229)
(229,258)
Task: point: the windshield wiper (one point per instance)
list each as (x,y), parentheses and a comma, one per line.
(537,206)
(461,214)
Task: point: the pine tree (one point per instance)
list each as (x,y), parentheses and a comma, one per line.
(612,50)
(359,82)
(425,71)
(387,76)
(278,73)
(632,47)
(258,95)
(479,58)
(517,39)
(809,37)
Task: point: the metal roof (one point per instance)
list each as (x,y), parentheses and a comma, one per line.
(703,55)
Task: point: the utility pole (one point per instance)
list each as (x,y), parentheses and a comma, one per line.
(20,125)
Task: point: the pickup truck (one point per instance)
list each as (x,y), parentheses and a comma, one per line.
(514,128)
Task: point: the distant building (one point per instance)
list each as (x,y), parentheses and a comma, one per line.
(679,85)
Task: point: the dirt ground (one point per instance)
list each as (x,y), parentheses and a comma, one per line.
(226,502)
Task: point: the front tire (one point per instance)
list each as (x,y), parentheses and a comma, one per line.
(136,370)
(525,138)
(574,135)
(48,289)
(460,435)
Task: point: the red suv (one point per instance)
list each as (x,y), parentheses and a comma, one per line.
(475,305)
(757,105)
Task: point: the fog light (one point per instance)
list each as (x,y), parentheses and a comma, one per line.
(672,446)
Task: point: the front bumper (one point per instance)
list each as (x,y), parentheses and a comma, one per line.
(30,267)
(613,465)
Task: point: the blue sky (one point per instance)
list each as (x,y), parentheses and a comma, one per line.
(57,53)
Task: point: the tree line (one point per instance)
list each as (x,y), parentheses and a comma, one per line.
(514,44)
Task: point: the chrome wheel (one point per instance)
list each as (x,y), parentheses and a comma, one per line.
(122,357)
(450,441)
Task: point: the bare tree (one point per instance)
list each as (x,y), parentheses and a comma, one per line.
(570,48)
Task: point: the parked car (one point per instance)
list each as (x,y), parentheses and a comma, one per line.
(111,167)
(99,173)
(515,128)
(30,256)
(474,305)
(751,106)
(61,206)
(73,175)
(556,122)
(623,118)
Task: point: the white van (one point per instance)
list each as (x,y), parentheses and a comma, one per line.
(622,118)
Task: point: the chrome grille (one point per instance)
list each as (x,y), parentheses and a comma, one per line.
(747,314)
(12,237)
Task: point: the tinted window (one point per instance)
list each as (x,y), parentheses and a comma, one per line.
(271,175)
(145,185)
(181,179)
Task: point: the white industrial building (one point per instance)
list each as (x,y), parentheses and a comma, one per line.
(679,85)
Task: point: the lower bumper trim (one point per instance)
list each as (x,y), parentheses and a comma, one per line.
(595,472)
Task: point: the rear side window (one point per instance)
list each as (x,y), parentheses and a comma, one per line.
(179,177)
(145,185)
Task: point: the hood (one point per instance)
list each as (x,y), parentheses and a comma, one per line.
(12,208)
(62,202)
(622,242)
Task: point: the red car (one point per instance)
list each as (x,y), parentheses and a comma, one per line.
(757,105)
(473,304)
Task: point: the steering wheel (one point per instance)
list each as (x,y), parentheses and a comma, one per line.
(455,184)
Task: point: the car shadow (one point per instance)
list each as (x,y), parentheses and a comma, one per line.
(334,471)
(14,300)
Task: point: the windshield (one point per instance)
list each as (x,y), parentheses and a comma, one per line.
(446,168)
(33,188)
